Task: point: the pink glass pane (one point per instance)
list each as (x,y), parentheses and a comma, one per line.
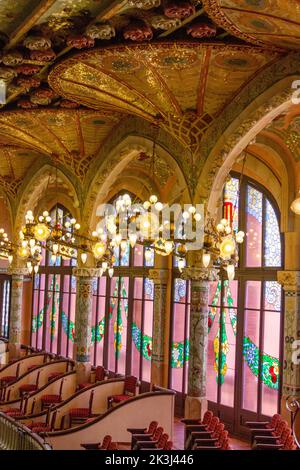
(212,372)
(72,325)
(186,345)
(65,324)
(113,309)
(178,340)
(101,328)
(254,228)
(138,287)
(250,381)
(122,325)
(229,347)
(148,323)
(253,294)
(271,347)
(34,317)
(231,193)
(138,255)
(136,337)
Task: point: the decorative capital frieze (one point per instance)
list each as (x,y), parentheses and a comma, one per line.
(290,280)
(17,271)
(200,274)
(86,272)
(159,276)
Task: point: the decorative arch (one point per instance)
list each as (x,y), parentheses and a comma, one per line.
(35,191)
(108,170)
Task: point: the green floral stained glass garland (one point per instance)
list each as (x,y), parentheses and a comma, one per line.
(180,351)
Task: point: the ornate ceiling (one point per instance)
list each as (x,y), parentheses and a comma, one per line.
(75,69)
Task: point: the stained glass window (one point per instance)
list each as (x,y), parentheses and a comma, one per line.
(180,333)
(4,306)
(231,193)
(54,300)
(272,238)
(245,318)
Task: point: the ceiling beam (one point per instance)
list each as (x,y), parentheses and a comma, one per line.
(29,22)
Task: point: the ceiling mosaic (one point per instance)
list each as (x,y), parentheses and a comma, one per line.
(182,86)
(68,137)
(74,69)
(264,22)
(287,128)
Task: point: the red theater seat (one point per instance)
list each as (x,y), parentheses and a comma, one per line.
(129,391)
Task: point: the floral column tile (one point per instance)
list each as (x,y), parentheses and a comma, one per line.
(199,279)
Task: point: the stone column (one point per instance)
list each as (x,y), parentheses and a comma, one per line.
(196,401)
(83,321)
(290,280)
(15,318)
(160,343)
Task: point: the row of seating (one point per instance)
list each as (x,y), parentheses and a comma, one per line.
(271,435)
(153,438)
(206,434)
(107,444)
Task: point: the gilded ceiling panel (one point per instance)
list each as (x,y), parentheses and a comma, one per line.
(164,83)
(275,22)
(69,137)
(12,12)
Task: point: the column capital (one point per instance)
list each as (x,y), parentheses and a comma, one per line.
(13,271)
(290,280)
(86,272)
(200,274)
(159,276)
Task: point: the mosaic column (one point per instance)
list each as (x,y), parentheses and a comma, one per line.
(83,321)
(15,318)
(196,401)
(290,280)
(159,362)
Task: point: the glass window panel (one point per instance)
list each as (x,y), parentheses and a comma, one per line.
(136,337)
(227,365)
(272,255)
(138,255)
(270,363)
(251,359)
(178,339)
(180,290)
(254,227)
(273,292)
(138,288)
(147,340)
(253,294)
(231,193)
(212,351)
(125,256)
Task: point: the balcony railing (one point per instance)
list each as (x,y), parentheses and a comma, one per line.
(15,436)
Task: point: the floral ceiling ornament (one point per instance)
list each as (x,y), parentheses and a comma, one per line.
(161,22)
(138,31)
(37,43)
(144,4)
(12,58)
(42,96)
(179,9)
(43,56)
(28,82)
(26,104)
(28,69)
(202,30)
(69,104)
(100,31)
(7,73)
(80,42)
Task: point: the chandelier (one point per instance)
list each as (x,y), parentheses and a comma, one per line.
(61,239)
(6,247)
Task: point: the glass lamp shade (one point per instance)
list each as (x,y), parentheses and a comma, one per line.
(149,225)
(227,248)
(295,206)
(99,249)
(23,252)
(41,232)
